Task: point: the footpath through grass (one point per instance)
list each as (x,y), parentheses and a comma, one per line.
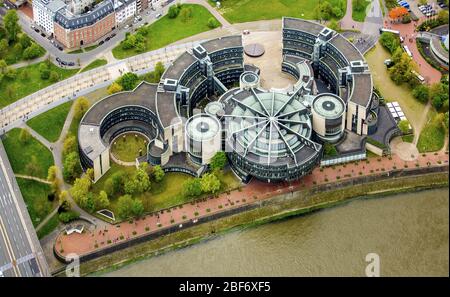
(35,196)
(29,158)
(50,123)
(28,81)
(48,228)
(240,11)
(166,31)
(94,64)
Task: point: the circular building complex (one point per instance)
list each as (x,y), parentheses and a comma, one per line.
(203,138)
(269,135)
(328,112)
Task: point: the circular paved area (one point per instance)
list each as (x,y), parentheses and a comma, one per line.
(405,150)
(254,50)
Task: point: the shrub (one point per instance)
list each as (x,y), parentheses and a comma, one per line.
(213,23)
(68,216)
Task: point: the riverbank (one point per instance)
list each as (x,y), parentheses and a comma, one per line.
(277,208)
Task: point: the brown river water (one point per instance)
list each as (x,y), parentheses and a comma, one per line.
(409,232)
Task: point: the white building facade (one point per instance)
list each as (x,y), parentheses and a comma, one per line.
(44,13)
(125,9)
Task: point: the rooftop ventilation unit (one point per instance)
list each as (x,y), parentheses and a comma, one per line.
(199,52)
(170,84)
(325,34)
(357,66)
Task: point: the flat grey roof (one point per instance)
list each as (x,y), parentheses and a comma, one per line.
(302,25)
(90,141)
(346,48)
(222,43)
(167,111)
(143,95)
(362,89)
(178,66)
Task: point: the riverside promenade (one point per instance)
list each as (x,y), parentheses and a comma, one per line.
(96,239)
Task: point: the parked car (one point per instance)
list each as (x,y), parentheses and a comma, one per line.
(101,42)
(112,35)
(107,39)
(43,34)
(60,48)
(158,16)
(63,63)
(58,60)
(246,32)
(36,30)
(71,63)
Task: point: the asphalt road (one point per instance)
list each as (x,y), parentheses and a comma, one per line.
(20,251)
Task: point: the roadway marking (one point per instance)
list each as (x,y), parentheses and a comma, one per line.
(9,248)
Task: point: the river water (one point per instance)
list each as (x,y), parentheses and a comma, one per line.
(409,232)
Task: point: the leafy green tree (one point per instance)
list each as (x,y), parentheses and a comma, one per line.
(52,173)
(11,22)
(185,14)
(218,161)
(138,183)
(25,40)
(80,188)
(32,52)
(87,202)
(403,125)
(71,165)
(80,107)
(32,167)
(159,69)
(54,76)
(115,183)
(44,70)
(11,73)
(101,200)
(68,216)
(24,136)
(192,187)
(114,88)
(124,206)
(173,12)
(3,47)
(213,23)
(439,95)
(137,208)
(158,173)
(3,65)
(128,81)
(64,202)
(421,93)
(69,145)
(390,41)
(210,183)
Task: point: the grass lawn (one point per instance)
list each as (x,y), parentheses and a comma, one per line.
(91,47)
(240,11)
(50,123)
(94,64)
(359,13)
(412,108)
(20,154)
(35,196)
(25,84)
(48,228)
(127,149)
(166,31)
(432,137)
(77,51)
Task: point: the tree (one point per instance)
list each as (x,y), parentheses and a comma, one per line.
(124,206)
(11,22)
(24,136)
(439,95)
(67,217)
(44,70)
(128,80)
(218,161)
(71,165)
(421,93)
(140,47)
(398,12)
(32,52)
(80,107)
(401,71)
(54,76)
(114,88)
(24,40)
(137,208)
(129,42)
(403,125)
(3,65)
(138,183)
(32,167)
(159,69)
(101,200)
(80,188)
(11,73)
(192,187)
(52,173)
(158,173)
(390,41)
(210,183)
(3,47)
(64,203)
(213,23)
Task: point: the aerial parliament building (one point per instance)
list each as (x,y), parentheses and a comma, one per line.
(208,100)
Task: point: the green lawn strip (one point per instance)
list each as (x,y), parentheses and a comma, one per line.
(408,138)
(431,138)
(240,11)
(20,154)
(50,123)
(359,8)
(166,31)
(77,51)
(12,56)
(35,196)
(48,228)
(23,85)
(94,64)
(89,48)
